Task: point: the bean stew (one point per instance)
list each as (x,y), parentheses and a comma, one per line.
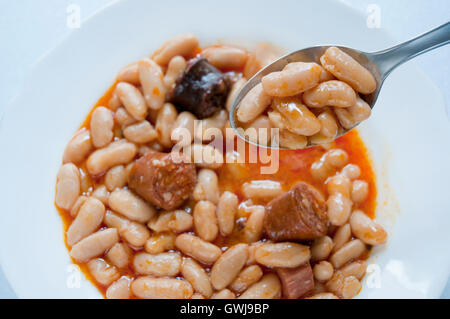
(156,205)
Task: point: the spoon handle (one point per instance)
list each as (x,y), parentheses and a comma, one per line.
(387,60)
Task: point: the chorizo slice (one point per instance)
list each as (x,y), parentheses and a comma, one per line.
(296,282)
(201,89)
(163,179)
(299,214)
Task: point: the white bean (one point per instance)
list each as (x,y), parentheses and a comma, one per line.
(116,177)
(329,124)
(347,69)
(351,171)
(237,86)
(114,102)
(259,131)
(342,236)
(323,295)
(292,141)
(129,74)
(269,287)
(356,269)
(133,100)
(140,133)
(320,139)
(161,288)
(339,209)
(160,243)
(78,148)
(360,191)
(123,118)
(76,207)
(101,193)
(205,220)
(294,80)
(178,221)
(253,104)
(152,80)
(226,212)
(351,116)
(344,287)
(336,158)
(255,225)
(210,128)
(88,219)
(321,248)
(326,76)
(119,289)
(338,184)
(94,245)
(366,229)
(252,251)
(207,187)
(320,170)
(265,53)
(183,129)
(205,156)
(68,186)
(296,117)
(174,69)
(86,183)
(262,189)
(116,153)
(360,111)
(165,120)
(131,206)
(102,124)
(225,57)
(103,273)
(134,233)
(235,165)
(346,253)
(228,266)
(224,294)
(183,45)
(246,278)
(197,277)
(198,249)
(323,271)
(330,93)
(160,265)
(119,255)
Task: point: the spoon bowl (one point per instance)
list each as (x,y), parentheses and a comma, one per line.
(380,64)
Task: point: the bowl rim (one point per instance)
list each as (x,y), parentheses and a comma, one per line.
(104,10)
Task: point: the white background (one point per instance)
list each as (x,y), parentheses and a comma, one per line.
(30,28)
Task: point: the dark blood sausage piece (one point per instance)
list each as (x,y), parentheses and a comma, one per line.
(163,179)
(296,282)
(299,214)
(201,89)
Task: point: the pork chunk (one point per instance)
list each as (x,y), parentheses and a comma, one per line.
(299,214)
(163,179)
(297,282)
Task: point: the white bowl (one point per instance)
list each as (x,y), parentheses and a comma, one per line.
(408,136)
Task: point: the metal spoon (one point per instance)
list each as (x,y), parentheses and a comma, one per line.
(380,64)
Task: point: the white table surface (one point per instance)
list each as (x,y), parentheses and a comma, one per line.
(29,28)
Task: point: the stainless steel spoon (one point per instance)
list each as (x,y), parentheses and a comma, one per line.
(381,64)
